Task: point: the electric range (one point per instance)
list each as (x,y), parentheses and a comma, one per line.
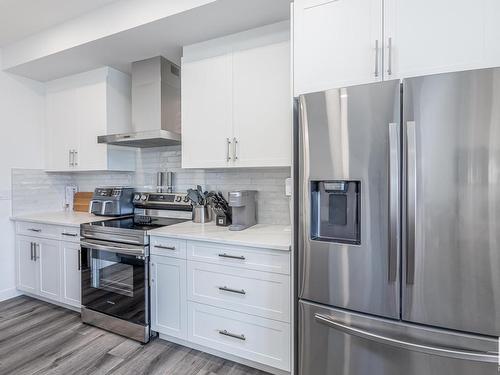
(115,263)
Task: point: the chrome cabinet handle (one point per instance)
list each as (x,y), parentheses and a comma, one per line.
(31,250)
(235,151)
(376,73)
(428,349)
(79,259)
(165,247)
(411,200)
(228,146)
(226,289)
(70,153)
(35,256)
(394,187)
(224,255)
(69,234)
(75,158)
(233,335)
(389,56)
(34,230)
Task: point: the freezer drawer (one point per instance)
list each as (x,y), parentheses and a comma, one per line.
(335,342)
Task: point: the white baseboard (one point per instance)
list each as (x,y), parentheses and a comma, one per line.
(9,293)
(227,356)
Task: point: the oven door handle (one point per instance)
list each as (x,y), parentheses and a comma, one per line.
(114,249)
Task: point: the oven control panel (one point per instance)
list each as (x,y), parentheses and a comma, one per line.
(166,199)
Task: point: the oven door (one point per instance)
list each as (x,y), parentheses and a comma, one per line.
(115,279)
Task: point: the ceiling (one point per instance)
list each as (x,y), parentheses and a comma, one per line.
(163,37)
(21,18)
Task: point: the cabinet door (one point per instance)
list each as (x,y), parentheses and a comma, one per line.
(91,122)
(262,106)
(206,112)
(26,273)
(70,274)
(434,36)
(168,296)
(49,262)
(62,132)
(335,43)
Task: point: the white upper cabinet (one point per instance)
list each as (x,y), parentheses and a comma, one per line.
(430,36)
(206,112)
(334,40)
(237,100)
(262,112)
(80,108)
(335,43)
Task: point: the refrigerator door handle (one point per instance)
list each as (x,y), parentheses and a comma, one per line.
(489,357)
(411,196)
(394,188)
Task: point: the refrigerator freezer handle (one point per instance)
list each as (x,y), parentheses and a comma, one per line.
(394,193)
(406,345)
(411,200)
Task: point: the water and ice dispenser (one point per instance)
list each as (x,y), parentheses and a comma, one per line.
(335,211)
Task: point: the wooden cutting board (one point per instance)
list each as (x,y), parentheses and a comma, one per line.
(82,201)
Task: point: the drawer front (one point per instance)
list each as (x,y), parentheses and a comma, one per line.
(69,234)
(38,230)
(171,247)
(239,256)
(257,339)
(251,292)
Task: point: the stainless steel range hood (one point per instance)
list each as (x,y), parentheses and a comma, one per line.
(156,106)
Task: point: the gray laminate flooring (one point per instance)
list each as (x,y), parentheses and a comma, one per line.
(40,338)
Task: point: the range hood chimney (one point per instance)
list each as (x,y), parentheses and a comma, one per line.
(156,106)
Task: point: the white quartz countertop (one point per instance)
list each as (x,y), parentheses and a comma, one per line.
(277,237)
(66,218)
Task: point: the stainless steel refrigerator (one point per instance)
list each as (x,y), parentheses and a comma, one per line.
(399,227)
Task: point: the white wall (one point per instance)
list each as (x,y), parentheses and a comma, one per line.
(21,146)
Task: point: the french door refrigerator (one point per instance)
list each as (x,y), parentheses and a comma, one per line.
(399,227)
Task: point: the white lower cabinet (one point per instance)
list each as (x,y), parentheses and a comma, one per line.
(71,275)
(251,292)
(48,257)
(261,340)
(168,296)
(48,262)
(231,299)
(26,270)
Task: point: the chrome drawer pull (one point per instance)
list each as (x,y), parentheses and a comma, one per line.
(165,247)
(34,230)
(224,255)
(69,234)
(226,289)
(233,335)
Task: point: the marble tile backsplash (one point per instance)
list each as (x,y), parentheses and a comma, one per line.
(36,190)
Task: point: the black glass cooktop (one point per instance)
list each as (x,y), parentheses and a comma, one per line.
(131,223)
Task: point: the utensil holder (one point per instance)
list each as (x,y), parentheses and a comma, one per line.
(202,214)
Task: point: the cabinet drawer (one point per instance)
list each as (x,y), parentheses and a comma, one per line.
(239,256)
(252,292)
(257,339)
(69,234)
(37,230)
(168,247)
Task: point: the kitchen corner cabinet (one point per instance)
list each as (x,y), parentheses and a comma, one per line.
(346,42)
(237,109)
(80,108)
